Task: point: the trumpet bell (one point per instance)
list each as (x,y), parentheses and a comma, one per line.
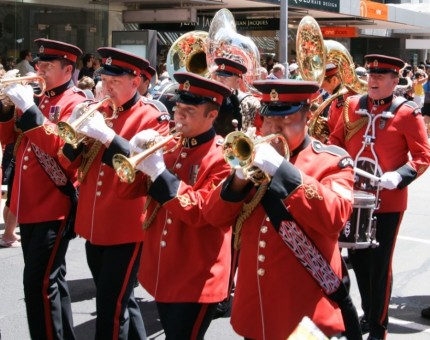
(68,131)
(239,150)
(24,81)
(124,168)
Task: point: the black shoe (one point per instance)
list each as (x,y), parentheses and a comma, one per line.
(425,313)
(364,325)
(373,338)
(223,310)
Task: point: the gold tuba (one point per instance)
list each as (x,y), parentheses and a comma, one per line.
(125,167)
(239,151)
(313,53)
(188,53)
(68,131)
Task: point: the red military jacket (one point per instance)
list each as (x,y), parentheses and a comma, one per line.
(336,109)
(102,217)
(185,258)
(395,139)
(35,198)
(274,291)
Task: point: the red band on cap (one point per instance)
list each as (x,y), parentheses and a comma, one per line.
(146,74)
(231,69)
(202,92)
(116,62)
(51,51)
(384,66)
(285,97)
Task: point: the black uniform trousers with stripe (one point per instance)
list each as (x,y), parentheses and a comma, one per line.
(114,269)
(373,270)
(46,293)
(186,321)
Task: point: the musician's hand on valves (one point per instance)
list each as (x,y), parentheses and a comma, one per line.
(266,158)
(142,139)
(20,95)
(153,166)
(390,180)
(95,127)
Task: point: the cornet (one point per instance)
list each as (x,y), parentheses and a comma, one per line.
(125,167)
(24,81)
(68,131)
(239,151)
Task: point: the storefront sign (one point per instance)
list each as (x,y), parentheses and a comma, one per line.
(339,32)
(374,10)
(203,23)
(322,5)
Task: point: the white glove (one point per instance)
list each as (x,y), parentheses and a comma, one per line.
(266,158)
(77,112)
(10,74)
(153,166)
(142,138)
(20,95)
(96,128)
(390,180)
(251,132)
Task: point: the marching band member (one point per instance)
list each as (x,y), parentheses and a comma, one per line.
(113,226)
(395,129)
(42,191)
(230,72)
(308,195)
(186,260)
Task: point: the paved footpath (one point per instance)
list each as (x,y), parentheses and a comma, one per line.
(411,289)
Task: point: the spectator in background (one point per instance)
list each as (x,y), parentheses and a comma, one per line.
(87,69)
(278,72)
(97,66)
(269,63)
(420,78)
(294,71)
(87,85)
(10,63)
(24,66)
(426,109)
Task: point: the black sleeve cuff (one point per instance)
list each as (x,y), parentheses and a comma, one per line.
(118,145)
(408,174)
(71,153)
(287,178)
(32,118)
(165,187)
(6,112)
(232,196)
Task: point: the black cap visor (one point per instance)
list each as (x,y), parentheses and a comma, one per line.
(280,109)
(111,70)
(190,98)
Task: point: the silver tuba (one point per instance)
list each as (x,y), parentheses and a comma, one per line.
(224,41)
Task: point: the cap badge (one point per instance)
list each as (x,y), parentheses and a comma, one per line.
(108,61)
(222,67)
(375,63)
(274,95)
(187,86)
(41,49)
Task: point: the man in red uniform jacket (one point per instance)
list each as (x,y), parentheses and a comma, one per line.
(186,260)
(394,147)
(113,226)
(41,190)
(312,192)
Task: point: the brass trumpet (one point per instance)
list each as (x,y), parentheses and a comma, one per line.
(68,131)
(24,81)
(125,167)
(239,151)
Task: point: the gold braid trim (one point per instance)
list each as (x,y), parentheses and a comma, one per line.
(87,159)
(148,220)
(351,128)
(247,209)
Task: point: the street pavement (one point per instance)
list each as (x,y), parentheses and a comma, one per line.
(411,288)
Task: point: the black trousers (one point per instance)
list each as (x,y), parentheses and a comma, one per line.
(186,321)
(114,269)
(46,293)
(373,269)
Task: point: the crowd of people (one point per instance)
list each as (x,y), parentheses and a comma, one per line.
(245,213)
